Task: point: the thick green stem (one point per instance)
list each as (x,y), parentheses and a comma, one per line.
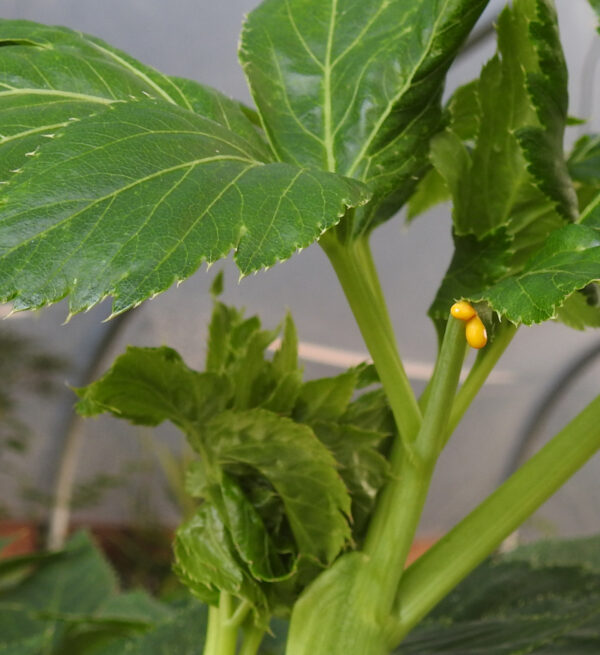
(439,570)
(221,638)
(212,633)
(353,266)
(253,637)
(399,508)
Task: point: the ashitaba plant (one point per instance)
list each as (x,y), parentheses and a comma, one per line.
(118,181)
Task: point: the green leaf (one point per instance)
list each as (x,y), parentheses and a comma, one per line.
(171,188)
(569,260)
(285,359)
(431,190)
(187,629)
(326,398)
(248,533)
(206,561)
(77,582)
(150,385)
(584,168)
(540,598)
(297,465)
(522,101)
(362,467)
(579,310)
(355,87)
(50,76)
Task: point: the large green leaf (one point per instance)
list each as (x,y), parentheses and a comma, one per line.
(50,76)
(129,201)
(354,87)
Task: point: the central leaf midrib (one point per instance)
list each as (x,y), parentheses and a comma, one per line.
(327,118)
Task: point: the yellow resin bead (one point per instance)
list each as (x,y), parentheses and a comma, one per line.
(475,332)
(462,310)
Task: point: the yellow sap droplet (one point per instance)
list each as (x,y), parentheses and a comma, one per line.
(475,333)
(462,310)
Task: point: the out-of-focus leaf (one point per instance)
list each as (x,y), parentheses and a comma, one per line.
(431,190)
(186,629)
(541,598)
(355,87)
(579,311)
(584,168)
(76,582)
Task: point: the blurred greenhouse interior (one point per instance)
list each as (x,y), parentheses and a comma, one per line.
(119,478)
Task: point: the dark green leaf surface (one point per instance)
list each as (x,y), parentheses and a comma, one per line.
(74,583)
(50,76)
(355,87)
(569,261)
(131,200)
(326,398)
(541,598)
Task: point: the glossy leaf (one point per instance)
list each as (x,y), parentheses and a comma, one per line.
(297,465)
(51,76)
(355,87)
(171,188)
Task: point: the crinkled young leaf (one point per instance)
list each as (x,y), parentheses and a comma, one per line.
(584,168)
(50,76)
(362,467)
(150,385)
(248,535)
(297,465)
(326,398)
(127,202)
(355,87)
(206,561)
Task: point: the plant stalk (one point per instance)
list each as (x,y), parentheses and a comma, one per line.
(356,273)
(449,561)
(399,508)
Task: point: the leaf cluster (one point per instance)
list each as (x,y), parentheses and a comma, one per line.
(287,471)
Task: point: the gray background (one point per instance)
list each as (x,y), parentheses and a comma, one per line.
(198,39)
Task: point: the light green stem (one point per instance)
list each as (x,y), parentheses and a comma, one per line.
(483,366)
(253,637)
(221,637)
(439,570)
(399,508)
(212,633)
(353,266)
